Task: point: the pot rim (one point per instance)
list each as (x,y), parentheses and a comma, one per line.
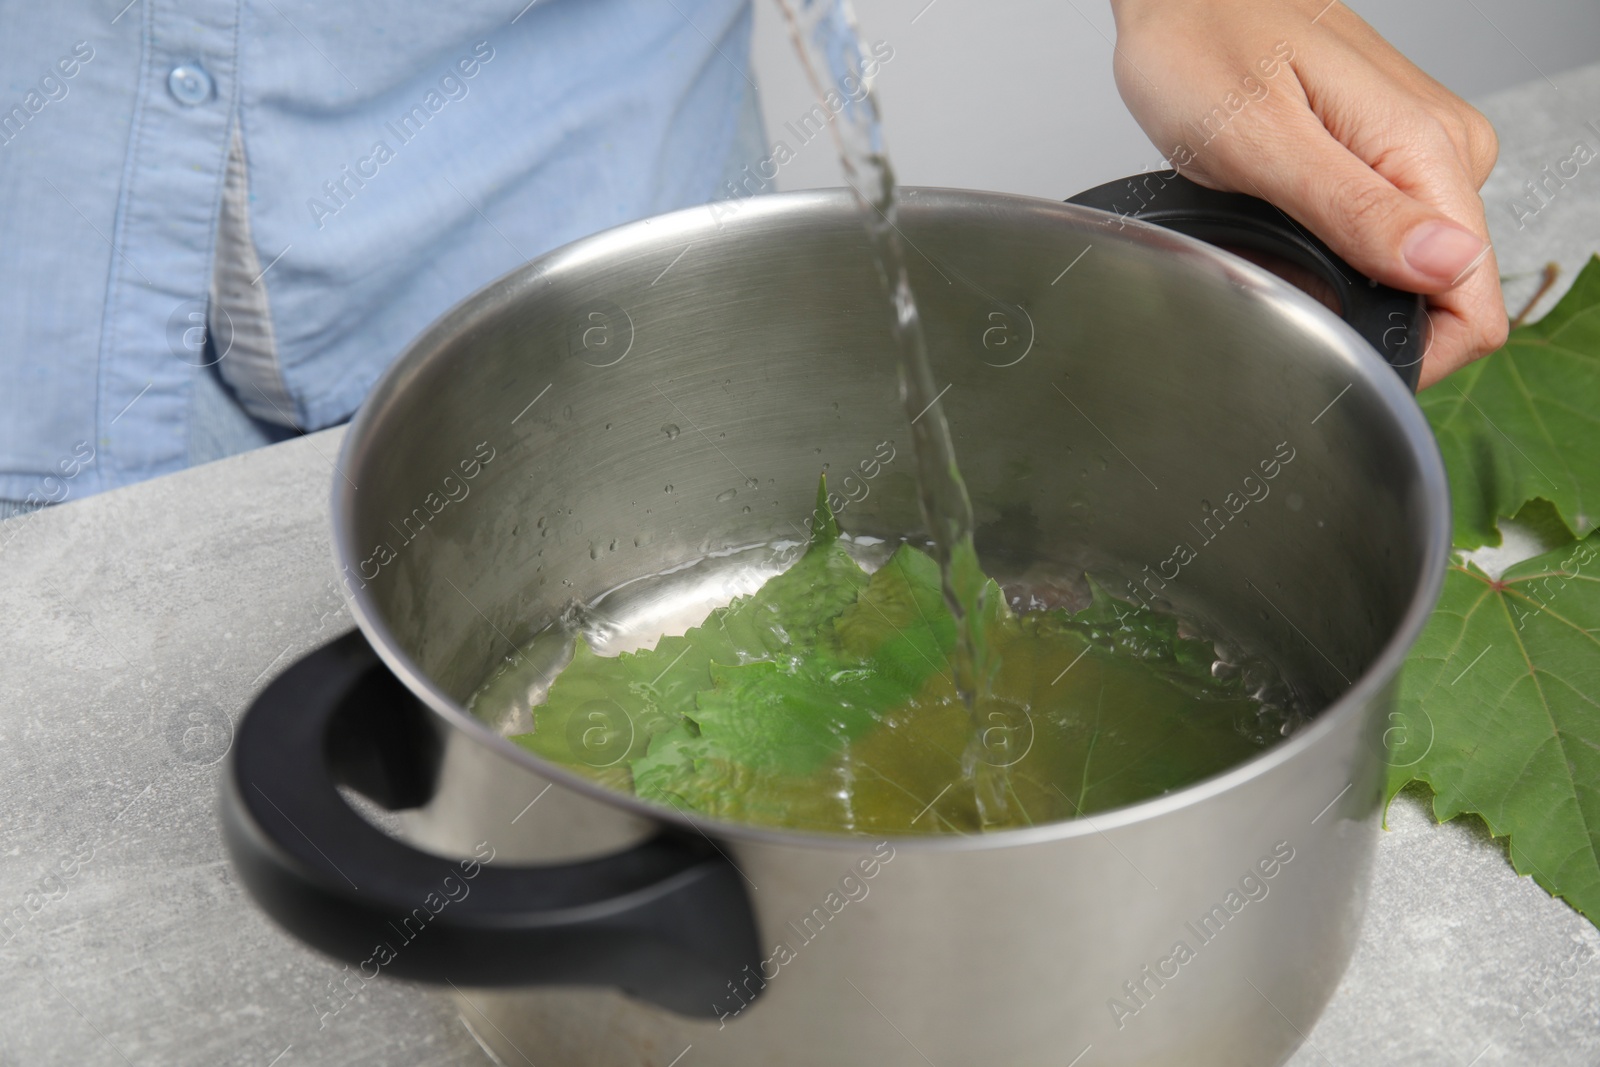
(520,280)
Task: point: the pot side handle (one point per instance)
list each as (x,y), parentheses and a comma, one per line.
(1390,320)
(667,920)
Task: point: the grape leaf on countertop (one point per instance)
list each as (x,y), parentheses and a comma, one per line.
(1499,706)
(1499,713)
(1524,421)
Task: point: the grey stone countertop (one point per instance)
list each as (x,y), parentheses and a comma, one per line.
(139,623)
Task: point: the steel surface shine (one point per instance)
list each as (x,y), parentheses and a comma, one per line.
(1157,373)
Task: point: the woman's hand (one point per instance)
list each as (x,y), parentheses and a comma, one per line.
(1306,106)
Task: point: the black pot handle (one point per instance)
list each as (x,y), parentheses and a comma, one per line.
(1393,322)
(667,920)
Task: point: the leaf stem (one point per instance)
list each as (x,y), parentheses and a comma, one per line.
(1547,278)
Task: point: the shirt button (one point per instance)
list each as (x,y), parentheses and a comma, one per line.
(189,84)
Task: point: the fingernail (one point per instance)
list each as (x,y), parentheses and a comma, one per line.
(1442,250)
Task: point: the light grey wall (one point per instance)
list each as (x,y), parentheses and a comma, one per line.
(1017,95)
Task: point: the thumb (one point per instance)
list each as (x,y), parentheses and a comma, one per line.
(1375,226)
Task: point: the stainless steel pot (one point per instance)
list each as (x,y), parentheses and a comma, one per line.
(1116,390)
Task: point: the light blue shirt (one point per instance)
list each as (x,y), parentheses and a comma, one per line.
(369,163)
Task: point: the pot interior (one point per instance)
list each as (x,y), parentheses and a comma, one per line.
(672,389)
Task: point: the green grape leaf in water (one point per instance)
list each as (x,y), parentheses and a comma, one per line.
(602,711)
(766,737)
(1157,639)
(1524,421)
(1498,713)
(867,732)
(1119,712)
(827,701)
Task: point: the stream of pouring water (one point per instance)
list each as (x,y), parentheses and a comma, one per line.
(825,35)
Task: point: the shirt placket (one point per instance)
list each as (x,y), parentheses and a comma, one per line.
(153,335)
